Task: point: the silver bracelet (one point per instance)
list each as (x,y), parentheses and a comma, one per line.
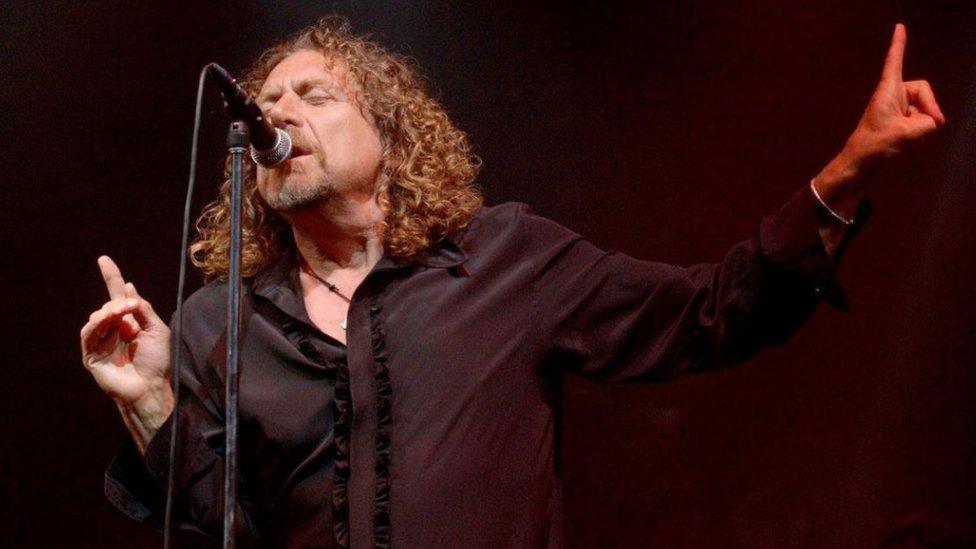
(836,215)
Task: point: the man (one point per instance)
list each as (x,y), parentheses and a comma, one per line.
(402,345)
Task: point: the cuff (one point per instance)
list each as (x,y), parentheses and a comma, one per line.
(132,488)
(791,239)
(136,484)
(156,458)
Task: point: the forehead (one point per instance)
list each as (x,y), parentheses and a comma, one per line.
(301,66)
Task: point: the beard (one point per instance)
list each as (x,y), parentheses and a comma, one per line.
(301,185)
(294,195)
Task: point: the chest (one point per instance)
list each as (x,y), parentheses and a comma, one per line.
(327,302)
(328,313)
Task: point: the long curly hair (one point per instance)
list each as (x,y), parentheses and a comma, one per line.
(428,190)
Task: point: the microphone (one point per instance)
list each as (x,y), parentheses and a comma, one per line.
(270,146)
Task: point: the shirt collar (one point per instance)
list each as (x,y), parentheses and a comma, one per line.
(443,255)
(280,284)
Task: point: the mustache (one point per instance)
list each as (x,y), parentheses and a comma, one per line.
(300,144)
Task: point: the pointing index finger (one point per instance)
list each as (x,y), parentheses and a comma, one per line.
(112,276)
(896,53)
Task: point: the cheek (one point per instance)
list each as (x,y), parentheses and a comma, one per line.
(355,148)
(370,143)
(375,147)
(361,137)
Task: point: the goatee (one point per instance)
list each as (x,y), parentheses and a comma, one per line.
(294,197)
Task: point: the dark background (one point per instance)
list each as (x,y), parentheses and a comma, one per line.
(665,131)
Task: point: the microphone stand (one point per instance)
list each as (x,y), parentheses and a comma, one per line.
(237,143)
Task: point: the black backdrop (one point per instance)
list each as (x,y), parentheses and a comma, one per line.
(664,131)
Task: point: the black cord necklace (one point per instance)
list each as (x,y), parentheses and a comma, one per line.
(330,286)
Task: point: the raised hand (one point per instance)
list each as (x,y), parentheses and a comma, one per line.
(898,114)
(126,347)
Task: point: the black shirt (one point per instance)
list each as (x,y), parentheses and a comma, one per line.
(435,426)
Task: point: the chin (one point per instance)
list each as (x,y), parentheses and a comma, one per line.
(294,195)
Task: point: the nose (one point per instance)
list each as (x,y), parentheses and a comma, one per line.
(285,112)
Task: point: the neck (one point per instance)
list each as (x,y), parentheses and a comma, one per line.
(341,233)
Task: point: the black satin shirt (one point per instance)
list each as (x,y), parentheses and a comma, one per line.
(436,425)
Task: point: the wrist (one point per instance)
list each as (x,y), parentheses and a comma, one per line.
(144,417)
(840,184)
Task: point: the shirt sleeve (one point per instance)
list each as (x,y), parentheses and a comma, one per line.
(612,317)
(136,484)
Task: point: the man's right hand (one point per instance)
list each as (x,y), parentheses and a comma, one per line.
(126,347)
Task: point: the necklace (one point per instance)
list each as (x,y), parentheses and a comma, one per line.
(330,286)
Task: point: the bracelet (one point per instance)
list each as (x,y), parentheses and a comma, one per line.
(836,215)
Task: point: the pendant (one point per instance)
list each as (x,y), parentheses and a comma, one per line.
(343,323)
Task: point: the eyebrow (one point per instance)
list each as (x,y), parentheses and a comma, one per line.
(303,86)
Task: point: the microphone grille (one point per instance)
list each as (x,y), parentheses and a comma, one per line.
(275,155)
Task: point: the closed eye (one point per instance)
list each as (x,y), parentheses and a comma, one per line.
(316,98)
(314,92)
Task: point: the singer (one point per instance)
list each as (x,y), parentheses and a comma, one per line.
(402,344)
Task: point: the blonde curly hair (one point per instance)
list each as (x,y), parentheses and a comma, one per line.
(428,191)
